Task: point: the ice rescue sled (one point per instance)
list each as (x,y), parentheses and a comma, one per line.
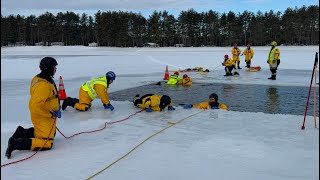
(255,68)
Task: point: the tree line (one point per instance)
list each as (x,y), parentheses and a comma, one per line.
(295,26)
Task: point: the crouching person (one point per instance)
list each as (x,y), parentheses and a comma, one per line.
(44,109)
(152,102)
(96,87)
(229,66)
(211,104)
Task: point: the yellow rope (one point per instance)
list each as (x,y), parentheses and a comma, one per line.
(171,124)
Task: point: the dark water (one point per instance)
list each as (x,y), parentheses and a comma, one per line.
(238,97)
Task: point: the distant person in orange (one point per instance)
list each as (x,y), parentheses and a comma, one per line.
(248,52)
(229,66)
(236,55)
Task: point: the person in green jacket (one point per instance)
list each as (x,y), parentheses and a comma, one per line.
(174,78)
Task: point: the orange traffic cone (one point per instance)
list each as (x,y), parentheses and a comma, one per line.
(166,74)
(62,92)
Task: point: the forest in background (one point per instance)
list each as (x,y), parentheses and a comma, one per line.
(294,26)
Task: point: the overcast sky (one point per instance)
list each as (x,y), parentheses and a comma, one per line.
(145,7)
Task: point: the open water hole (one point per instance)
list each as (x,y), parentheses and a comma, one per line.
(238,97)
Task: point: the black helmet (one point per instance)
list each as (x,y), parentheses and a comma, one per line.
(214,95)
(47,63)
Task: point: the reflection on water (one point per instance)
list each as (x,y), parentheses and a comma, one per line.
(238,97)
(272,101)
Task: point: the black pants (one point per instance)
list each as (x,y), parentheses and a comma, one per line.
(228,69)
(139,101)
(274,71)
(248,64)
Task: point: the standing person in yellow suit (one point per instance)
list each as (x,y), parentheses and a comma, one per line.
(211,104)
(44,109)
(248,52)
(236,55)
(273,60)
(96,87)
(153,102)
(174,78)
(185,81)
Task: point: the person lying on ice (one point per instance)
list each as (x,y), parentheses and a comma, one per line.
(229,66)
(44,110)
(153,102)
(174,78)
(186,81)
(211,104)
(96,87)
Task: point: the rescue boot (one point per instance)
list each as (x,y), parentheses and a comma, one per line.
(273,77)
(239,67)
(18,144)
(236,73)
(228,74)
(69,102)
(23,133)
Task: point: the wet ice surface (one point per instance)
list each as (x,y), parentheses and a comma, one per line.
(214,144)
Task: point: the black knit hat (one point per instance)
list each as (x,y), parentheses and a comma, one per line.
(47,63)
(214,95)
(165,100)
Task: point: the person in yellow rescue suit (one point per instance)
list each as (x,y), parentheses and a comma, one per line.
(174,78)
(236,55)
(185,81)
(229,66)
(44,109)
(96,87)
(153,102)
(248,52)
(211,104)
(273,60)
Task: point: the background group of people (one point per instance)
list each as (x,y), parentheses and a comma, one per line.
(234,63)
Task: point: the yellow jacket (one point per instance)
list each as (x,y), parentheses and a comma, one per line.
(274,55)
(236,54)
(186,81)
(205,105)
(229,62)
(97,87)
(248,54)
(151,102)
(44,98)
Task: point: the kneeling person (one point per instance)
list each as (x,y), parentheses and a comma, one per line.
(96,87)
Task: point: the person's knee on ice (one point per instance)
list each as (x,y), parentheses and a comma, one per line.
(23,133)
(44,107)
(18,144)
(90,90)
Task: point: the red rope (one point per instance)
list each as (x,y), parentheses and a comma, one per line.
(33,153)
(105,125)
